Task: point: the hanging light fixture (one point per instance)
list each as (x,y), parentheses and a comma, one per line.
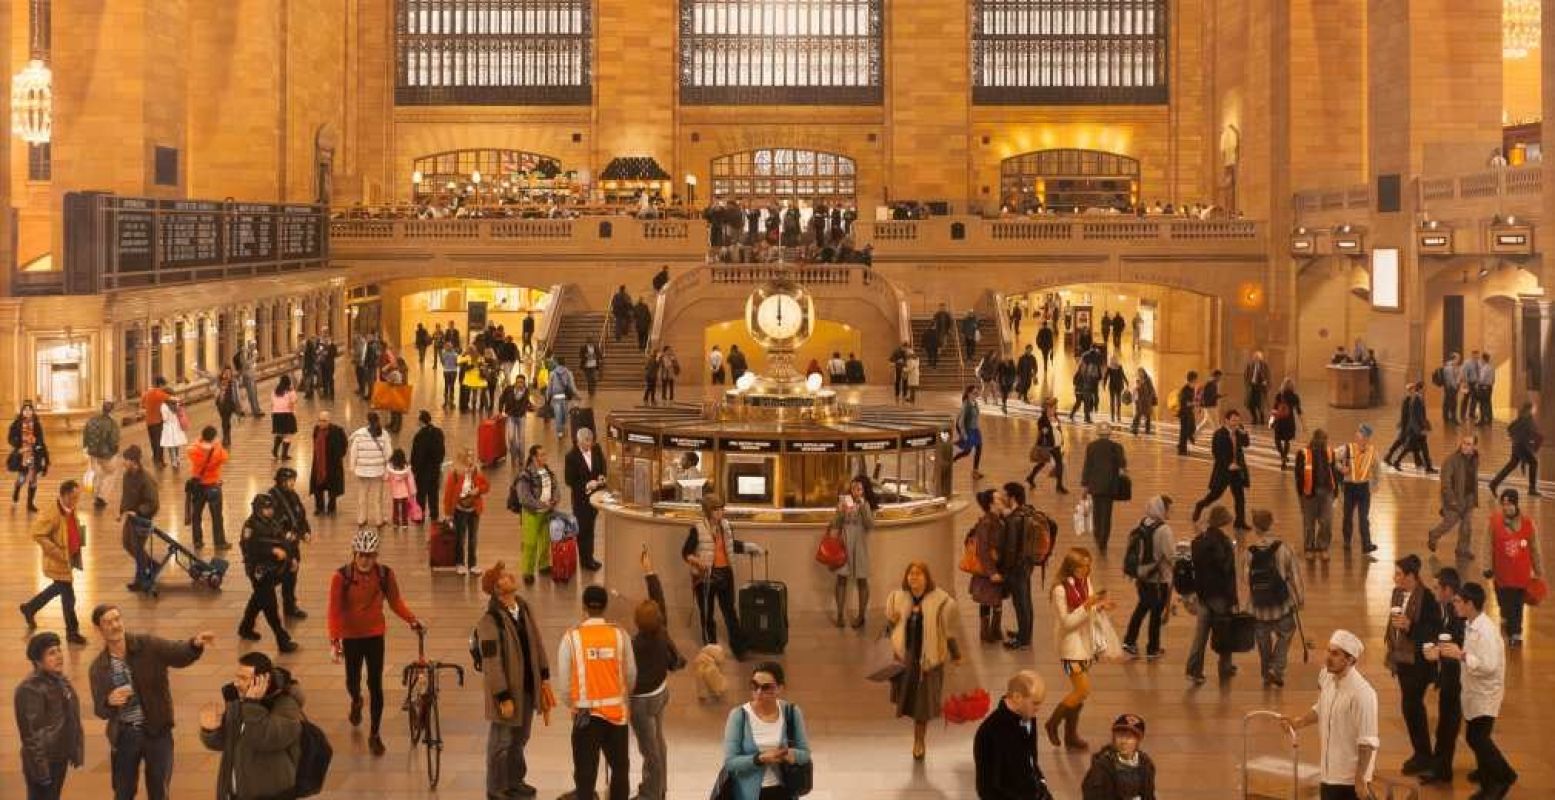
(1519,27)
(32,89)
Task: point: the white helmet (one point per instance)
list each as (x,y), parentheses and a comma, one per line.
(365,541)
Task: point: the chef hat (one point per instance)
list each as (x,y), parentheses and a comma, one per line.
(1347,642)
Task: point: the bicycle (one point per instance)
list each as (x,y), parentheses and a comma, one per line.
(420,680)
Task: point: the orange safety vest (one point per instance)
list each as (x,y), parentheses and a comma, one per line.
(1360,465)
(1306,469)
(599,676)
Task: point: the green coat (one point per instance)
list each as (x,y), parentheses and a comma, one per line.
(260,743)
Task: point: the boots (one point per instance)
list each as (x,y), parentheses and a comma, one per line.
(32,491)
(16,493)
(286,451)
(985,627)
(863,604)
(842,603)
(1072,740)
(275,447)
(1051,726)
(996,625)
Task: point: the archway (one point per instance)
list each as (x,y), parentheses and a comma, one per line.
(496,174)
(1069,180)
(775,175)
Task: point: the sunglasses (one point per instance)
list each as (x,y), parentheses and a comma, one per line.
(763,687)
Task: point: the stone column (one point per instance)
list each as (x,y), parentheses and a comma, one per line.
(1545,399)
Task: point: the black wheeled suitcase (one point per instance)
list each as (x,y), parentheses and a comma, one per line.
(764,611)
(582,417)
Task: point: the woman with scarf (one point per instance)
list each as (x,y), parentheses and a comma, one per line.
(537,493)
(922,617)
(1076,608)
(464,501)
(29,455)
(709,551)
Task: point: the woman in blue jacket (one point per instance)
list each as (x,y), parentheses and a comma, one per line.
(762,738)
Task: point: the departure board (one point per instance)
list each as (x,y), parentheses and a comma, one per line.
(301,232)
(250,231)
(190,233)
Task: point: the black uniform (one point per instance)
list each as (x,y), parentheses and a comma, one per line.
(261,537)
(293,519)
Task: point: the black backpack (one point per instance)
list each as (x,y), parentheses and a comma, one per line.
(1141,547)
(477,657)
(1184,579)
(312,760)
(1264,582)
(1437,377)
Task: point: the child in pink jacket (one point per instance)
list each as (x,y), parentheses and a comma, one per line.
(402,488)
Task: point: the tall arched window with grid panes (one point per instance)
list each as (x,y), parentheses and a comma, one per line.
(790,52)
(493,52)
(1069,52)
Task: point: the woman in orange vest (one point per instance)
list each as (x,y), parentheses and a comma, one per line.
(1515,561)
(1317,481)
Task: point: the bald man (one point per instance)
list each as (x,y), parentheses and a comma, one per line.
(1004,751)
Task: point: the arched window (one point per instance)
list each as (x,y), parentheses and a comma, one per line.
(492,52)
(504,173)
(1038,52)
(794,52)
(775,174)
(1069,181)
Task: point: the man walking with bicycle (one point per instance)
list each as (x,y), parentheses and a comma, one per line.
(596,668)
(357,594)
(517,682)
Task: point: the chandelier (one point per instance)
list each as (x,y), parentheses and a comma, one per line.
(1519,27)
(32,103)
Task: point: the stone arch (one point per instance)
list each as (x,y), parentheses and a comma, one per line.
(1069,178)
(777,174)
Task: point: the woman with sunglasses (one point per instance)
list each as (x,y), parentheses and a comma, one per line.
(765,740)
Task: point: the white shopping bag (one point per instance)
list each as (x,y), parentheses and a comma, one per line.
(1084,523)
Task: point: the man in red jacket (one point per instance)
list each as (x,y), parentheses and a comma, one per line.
(357,593)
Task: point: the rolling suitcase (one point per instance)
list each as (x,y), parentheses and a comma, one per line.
(564,559)
(581,417)
(491,441)
(763,608)
(441,545)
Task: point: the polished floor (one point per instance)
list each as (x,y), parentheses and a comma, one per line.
(1195,734)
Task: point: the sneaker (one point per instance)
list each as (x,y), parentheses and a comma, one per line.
(297,613)
(476,571)
(462,570)
(1371,548)
(1132,650)
(1154,654)
(1196,680)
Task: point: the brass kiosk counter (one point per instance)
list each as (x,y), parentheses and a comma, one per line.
(781,479)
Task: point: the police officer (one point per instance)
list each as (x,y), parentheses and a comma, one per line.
(292,516)
(265,559)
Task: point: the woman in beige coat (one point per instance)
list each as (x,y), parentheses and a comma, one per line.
(923,619)
(1076,608)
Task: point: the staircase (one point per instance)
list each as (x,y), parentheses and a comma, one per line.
(951,374)
(622,360)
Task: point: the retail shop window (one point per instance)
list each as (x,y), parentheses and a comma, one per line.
(493,52)
(131,355)
(773,175)
(1069,180)
(40,162)
(765,52)
(63,365)
(1077,52)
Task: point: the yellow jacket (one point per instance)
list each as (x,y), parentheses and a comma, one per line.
(49,531)
(472,372)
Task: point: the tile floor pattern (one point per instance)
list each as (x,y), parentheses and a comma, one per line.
(1194,734)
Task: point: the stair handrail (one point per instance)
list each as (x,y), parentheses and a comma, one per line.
(661,303)
(1006,331)
(546,339)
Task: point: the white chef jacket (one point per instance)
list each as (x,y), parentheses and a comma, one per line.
(1484,668)
(1346,719)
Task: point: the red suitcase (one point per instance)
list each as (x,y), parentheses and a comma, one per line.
(491,441)
(564,559)
(441,545)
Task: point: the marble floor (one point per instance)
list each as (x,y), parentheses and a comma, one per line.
(1195,734)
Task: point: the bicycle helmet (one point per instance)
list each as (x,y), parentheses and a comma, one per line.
(285,474)
(365,541)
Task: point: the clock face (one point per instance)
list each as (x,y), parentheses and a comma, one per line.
(780,316)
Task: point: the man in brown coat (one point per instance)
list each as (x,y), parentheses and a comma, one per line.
(1460,496)
(517,681)
(138,504)
(59,534)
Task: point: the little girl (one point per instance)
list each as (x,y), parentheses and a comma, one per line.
(402,487)
(174,435)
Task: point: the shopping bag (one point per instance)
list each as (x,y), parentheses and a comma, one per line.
(883,665)
(1108,647)
(414,510)
(831,553)
(391,396)
(89,480)
(966,702)
(1084,523)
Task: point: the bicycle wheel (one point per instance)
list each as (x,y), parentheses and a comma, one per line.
(415,708)
(434,737)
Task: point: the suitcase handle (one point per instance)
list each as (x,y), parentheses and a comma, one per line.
(766,561)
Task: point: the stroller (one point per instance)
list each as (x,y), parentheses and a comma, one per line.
(200,571)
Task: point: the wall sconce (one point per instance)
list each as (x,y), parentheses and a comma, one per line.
(167,338)
(475,177)
(416,178)
(297,312)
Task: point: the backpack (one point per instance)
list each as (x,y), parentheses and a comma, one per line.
(1141,547)
(1037,534)
(1184,580)
(477,658)
(312,760)
(1436,377)
(1264,582)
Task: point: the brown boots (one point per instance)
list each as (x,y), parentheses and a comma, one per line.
(992,625)
(1070,717)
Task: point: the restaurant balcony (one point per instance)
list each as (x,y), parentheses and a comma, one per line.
(1468,202)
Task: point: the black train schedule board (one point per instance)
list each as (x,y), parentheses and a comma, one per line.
(190,233)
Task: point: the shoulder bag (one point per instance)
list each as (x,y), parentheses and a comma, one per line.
(798,779)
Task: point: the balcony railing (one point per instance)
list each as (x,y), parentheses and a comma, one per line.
(1525,181)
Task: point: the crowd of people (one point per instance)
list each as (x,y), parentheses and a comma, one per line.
(1233,572)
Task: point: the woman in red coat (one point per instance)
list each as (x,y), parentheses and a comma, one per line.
(1515,560)
(464,500)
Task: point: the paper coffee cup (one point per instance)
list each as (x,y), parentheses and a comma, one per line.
(1445,638)
(1398,611)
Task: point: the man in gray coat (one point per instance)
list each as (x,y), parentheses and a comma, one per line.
(1460,496)
(517,682)
(1103,476)
(1449,376)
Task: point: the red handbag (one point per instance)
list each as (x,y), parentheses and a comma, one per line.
(1536,592)
(831,553)
(966,707)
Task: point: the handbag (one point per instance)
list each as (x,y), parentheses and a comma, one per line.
(1127,398)
(831,553)
(1108,647)
(798,779)
(1084,523)
(414,510)
(1536,591)
(546,411)
(1123,488)
(1232,633)
(971,564)
(883,664)
(1039,456)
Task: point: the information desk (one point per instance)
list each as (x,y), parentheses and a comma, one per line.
(921,531)
(1349,386)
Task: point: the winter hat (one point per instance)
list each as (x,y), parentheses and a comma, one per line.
(1131,723)
(40,644)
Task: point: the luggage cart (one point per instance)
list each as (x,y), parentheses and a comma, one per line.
(1272,768)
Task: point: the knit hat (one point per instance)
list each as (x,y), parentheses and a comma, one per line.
(1132,723)
(40,644)
(1347,642)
